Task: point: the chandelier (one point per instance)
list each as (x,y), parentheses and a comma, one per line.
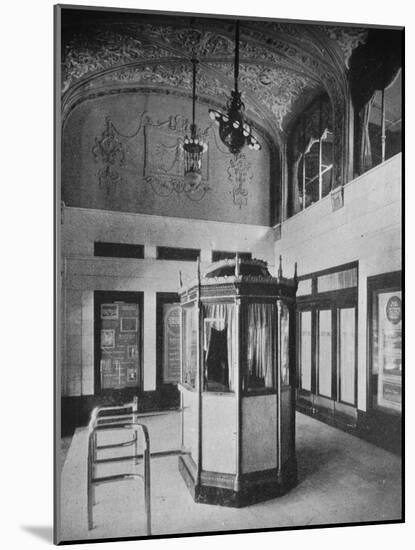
(193,146)
(233,130)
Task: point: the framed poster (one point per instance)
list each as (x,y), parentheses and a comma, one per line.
(109,311)
(107,338)
(389,309)
(129,324)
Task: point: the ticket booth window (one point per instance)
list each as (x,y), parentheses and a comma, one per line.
(219,346)
(261,347)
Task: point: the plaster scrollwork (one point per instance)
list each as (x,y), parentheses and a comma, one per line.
(110,153)
(347,38)
(106,49)
(163,156)
(276,88)
(177,76)
(164,160)
(201,42)
(266,50)
(240,175)
(289,29)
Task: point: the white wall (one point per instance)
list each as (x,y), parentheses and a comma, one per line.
(84,273)
(367,229)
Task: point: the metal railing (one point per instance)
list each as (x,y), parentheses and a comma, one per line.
(122,420)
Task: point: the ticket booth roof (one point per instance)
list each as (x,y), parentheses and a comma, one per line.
(250,276)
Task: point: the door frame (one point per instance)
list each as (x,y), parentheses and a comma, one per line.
(333,301)
(162,298)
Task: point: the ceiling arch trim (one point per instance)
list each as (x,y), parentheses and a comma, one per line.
(270,138)
(269,92)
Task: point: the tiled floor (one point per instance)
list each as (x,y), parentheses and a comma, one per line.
(340,479)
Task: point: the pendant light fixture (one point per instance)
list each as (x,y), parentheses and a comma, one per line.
(234,132)
(193,146)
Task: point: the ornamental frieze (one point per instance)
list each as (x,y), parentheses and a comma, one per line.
(162,156)
(280,63)
(108,48)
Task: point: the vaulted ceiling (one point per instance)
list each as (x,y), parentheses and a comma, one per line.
(283,66)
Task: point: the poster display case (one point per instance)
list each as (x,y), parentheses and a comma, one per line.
(238,383)
(119,362)
(386,337)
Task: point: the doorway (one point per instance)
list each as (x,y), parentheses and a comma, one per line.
(327,347)
(168,349)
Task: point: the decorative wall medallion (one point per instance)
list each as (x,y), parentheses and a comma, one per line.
(109,151)
(277,232)
(240,174)
(337,198)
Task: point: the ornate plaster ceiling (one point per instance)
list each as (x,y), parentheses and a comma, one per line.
(281,64)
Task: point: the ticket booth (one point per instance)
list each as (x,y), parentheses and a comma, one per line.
(238,383)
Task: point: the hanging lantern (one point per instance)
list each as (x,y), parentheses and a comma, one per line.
(234,131)
(193,147)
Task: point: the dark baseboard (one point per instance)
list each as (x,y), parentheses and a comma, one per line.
(381,429)
(217,488)
(76,411)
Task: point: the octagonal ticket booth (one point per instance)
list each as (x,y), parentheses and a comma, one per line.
(238,383)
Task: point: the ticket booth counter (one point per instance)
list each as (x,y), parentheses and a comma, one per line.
(237,384)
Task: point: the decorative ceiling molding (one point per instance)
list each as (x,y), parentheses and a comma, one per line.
(278,89)
(107,48)
(281,64)
(346,38)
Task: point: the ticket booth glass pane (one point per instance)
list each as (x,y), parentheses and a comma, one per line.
(219,347)
(285,345)
(261,346)
(189,319)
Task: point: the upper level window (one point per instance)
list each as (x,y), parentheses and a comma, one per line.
(310,156)
(177,254)
(382,134)
(118,250)
(223,255)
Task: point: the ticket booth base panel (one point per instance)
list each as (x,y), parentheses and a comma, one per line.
(219,489)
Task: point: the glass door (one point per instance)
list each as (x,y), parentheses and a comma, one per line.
(327,359)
